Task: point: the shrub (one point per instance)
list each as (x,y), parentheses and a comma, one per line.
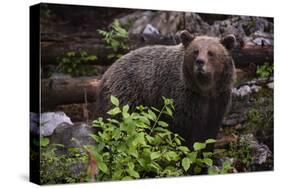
(264,71)
(139,145)
(74,63)
(116,40)
(61,168)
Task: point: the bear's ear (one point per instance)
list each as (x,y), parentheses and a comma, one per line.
(186,37)
(228,41)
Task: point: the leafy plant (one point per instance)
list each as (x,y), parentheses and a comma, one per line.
(74,63)
(132,145)
(60,168)
(116,40)
(264,71)
(226,167)
(243,153)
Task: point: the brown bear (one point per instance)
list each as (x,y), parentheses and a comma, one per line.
(197,74)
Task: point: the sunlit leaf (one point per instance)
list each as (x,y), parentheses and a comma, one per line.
(114,100)
(186,163)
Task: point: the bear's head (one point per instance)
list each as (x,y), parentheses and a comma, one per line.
(207,62)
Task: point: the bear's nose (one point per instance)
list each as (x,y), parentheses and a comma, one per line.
(199,62)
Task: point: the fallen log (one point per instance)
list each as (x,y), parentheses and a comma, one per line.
(67,91)
(54,46)
(257,55)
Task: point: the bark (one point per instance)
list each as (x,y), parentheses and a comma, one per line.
(244,57)
(67,91)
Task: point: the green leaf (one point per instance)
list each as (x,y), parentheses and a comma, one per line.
(208,161)
(169,111)
(133,151)
(155,109)
(212,171)
(83,53)
(95,137)
(44,142)
(114,111)
(150,139)
(127,178)
(113,121)
(142,162)
(117,174)
(177,141)
(125,111)
(139,139)
(92,58)
(160,129)
(102,166)
(155,155)
(114,100)
(133,173)
(186,163)
(207,154)
(73,150)
(116,133)
(100,146)
(210,141)
(163,124)
(184,149)
(192,156)
(171,156)
(70,54)
(199,146)
(144,120)
(155,166)
(152,115)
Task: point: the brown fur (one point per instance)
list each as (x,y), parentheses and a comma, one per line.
(201,95)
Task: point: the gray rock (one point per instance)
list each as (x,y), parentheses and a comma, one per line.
(49,121)
(60,76)
(150,30)
(270,85)
(72,136)
(242,91)
(234,119)
(255,88)
(66,133)
(261,151)
(245,90)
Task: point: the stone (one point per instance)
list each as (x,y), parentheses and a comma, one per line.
(270,85)
(49,121)
(65,133)
(150,30)
(261,151)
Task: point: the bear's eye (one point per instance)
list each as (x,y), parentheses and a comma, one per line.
(195,52)
(211,54)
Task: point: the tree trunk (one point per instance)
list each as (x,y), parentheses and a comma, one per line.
(254,55)
(68,91)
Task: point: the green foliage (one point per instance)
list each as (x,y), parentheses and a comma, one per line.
(116,40)
(60,168)
(260,119)
(264,71)
(74,63)
(227,167)
(242,152)
(132,145)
